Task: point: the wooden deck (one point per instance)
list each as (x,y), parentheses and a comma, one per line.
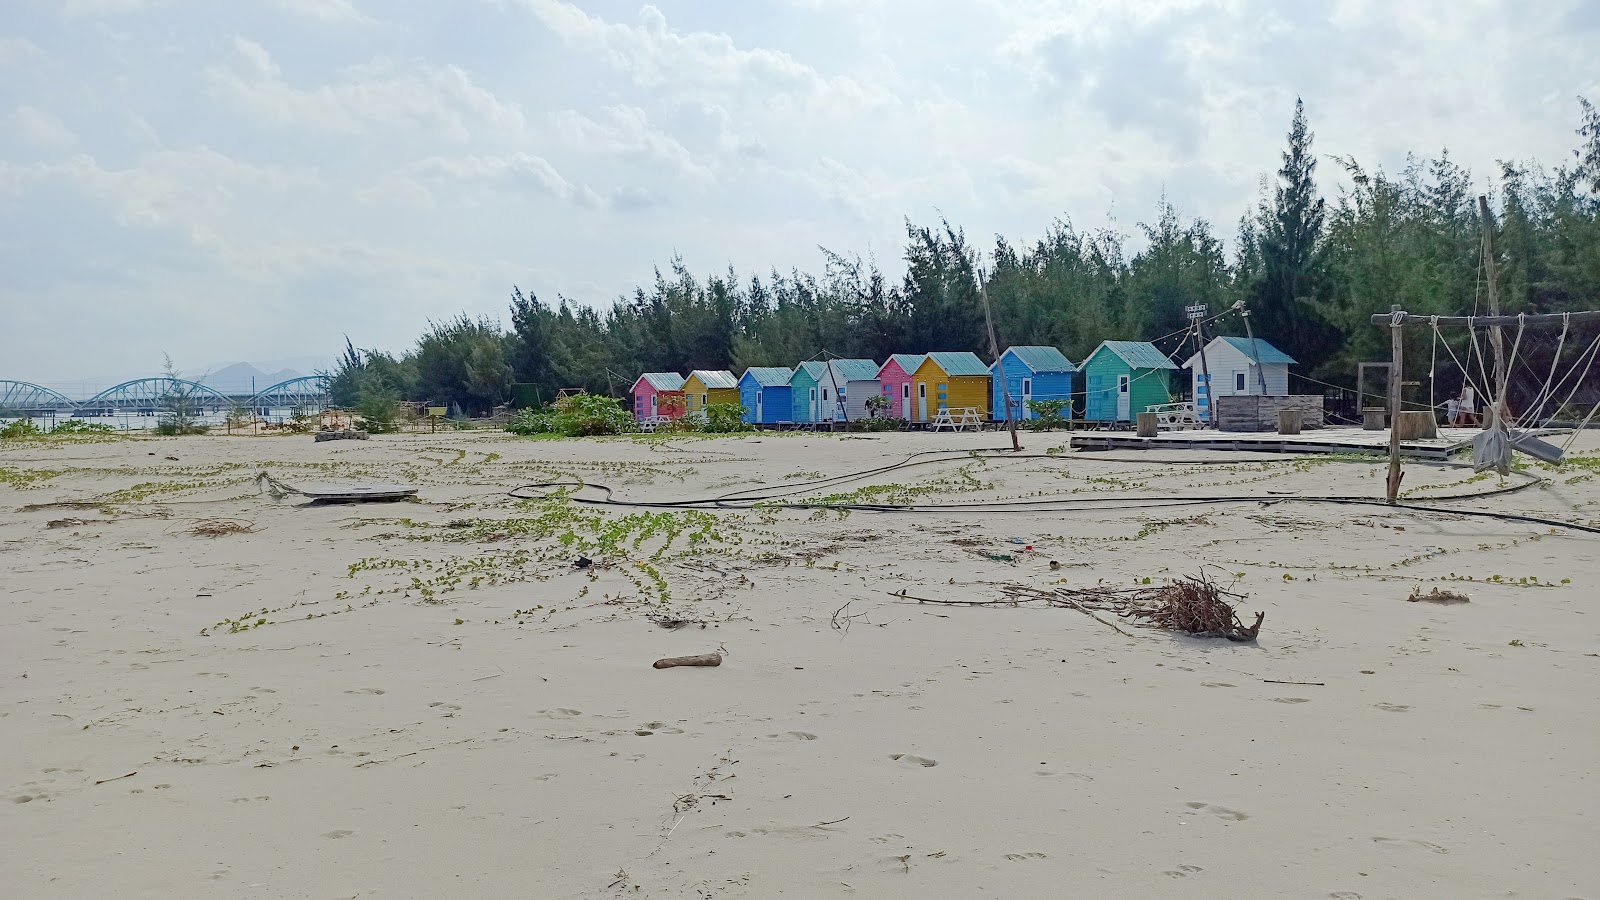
(1321,440)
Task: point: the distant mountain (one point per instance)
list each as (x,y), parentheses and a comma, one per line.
(244,378)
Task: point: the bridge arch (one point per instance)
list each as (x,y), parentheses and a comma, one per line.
(25,396)
(309,392)
(154,393)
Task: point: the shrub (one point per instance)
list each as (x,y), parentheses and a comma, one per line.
(20,428)
(877,405)
(578,415)
(377,404)
(79,426)
(879,423)
(1049,414)
(724,418)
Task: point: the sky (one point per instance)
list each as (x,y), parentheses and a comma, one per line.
(257,179)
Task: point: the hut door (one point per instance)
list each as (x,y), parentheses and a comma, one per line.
(652,404)
(922,401)
(759,416)
(905,401)
(1027,397)
(1124,399)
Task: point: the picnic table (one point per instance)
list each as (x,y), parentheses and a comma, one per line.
(1172,416)
(957,419)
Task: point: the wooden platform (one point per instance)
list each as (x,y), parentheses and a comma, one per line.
(1321,440)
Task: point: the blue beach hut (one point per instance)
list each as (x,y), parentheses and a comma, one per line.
(764,394)
(1028,373)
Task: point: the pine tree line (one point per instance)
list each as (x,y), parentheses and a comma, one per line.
(1310,269)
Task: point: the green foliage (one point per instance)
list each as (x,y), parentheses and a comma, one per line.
(180,408)
(724,418)
(18,429)
(1048,414)
(877,405)
(376,402)
(576,415)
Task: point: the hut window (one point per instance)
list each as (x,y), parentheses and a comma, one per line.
(905,391)
(824,395)
(704,401)
(1122,384)
(1238,381)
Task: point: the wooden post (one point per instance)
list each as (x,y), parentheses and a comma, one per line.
(1205,373)
(1250,335)
(994,349)
(1496,339)
(1396,350)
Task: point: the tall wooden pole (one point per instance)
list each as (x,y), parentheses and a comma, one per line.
(994,350)
(1396,351)
(1496,340)
(1250,335)
(1205,372)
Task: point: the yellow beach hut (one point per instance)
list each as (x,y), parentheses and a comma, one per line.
(704,387)
(949,381)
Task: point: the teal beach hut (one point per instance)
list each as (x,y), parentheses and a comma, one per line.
(1122,378)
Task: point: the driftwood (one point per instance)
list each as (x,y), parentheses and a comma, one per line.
(1194,606)
(704,659)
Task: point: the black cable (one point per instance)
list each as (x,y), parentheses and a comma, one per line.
(751,500)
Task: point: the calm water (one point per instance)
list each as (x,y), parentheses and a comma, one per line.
(130,422)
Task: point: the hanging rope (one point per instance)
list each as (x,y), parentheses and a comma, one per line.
(1537,406)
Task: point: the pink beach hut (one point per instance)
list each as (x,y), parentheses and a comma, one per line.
(894,378)
(658,394)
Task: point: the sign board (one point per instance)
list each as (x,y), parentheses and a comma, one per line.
(1195,312)
(437,412)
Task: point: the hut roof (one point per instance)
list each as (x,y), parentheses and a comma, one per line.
(1043,359)
(908,361)
(813,369)
(1137,354)
(715,378)
(854,369)
(1258,349)
(959,363)
(770,376)
(662,381)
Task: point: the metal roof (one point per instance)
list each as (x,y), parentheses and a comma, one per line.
(907,361)
(1042,359)
(1263,351)
(854,369)
(769,376)
(715,378)
(662,381)
(813,370)
(1137,354)
(959,363)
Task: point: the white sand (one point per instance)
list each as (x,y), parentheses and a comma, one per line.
(388,751)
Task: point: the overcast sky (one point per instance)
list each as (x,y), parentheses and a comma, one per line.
(254,179)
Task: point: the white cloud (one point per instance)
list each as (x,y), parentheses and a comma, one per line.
(331,11)
(705,65)
(626,131)
(73,9)
(516,169)
(15,51)
(41,129)
(441,99)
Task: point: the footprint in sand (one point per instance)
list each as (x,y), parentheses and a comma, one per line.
(1291,699)
(907,759)
(1215,684)
(560,712)
(1392,707)
(340,833)
(1017,857)
(1183,871)
(793,736)
(1221,812)
(1408,842)
(367,691)
(444,704)
(1344,895)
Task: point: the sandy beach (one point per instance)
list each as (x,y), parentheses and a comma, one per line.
(428,699)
